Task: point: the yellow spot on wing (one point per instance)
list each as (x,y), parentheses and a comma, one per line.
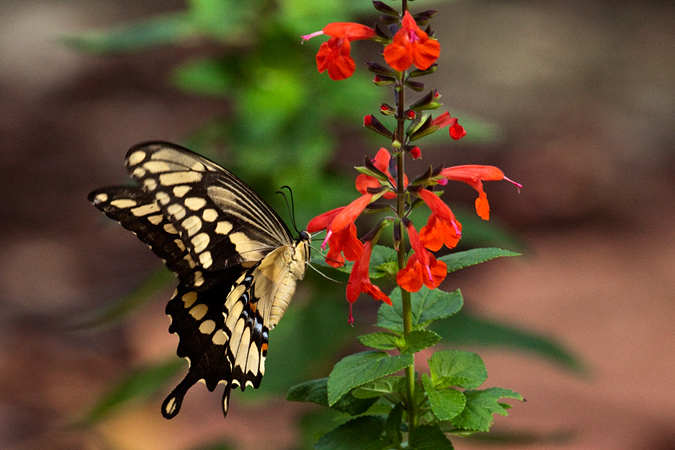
(220,337)
(205,260)
(123,203)
(207,327)
(200,242)
(169,179)
(150,184)
(223,227)
(199,311)
(144,210)
(180,191)
(102,197)
(209,215)
(177,211)
(189,298)
(136,157)
(156,166)
(195,203)
(156,219)
(192,224)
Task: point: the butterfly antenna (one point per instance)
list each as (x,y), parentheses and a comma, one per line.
(324,275)
(291,206)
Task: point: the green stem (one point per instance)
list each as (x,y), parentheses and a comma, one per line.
(399,137)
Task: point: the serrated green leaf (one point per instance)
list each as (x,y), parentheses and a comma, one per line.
(445,403)
(137,386)
(358,369)
(381,340)
(418,340)
(480,406)
(362,433)
(465,329)
(428,437)
(378,388)
(427,306)
(460,260)
(316,391)
(457,368)
(138,297)
(392,427)
(383,261)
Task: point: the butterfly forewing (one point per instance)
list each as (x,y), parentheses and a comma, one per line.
(212,208)
(236,261)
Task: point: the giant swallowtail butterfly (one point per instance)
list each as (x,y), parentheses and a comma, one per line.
(236,261)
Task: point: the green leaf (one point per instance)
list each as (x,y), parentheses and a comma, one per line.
(208,77)
(464,329)
(427,306)
(362,433)
(316,391)
(134,37)
(360,368)
(428,437)
(137,386)
(480,406)
(383,262)
(457,368)
(418,340)
(445,403)
(460,260)
(381,387)
(381,340)
(121,308)
(392,427)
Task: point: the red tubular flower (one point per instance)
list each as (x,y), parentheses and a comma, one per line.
(474,176)
(333,55)
(381,162)
(422,267)
(341,231)
(442,227)
(411,46)
(359,281)
(437,233)
(413,276)
(457,131)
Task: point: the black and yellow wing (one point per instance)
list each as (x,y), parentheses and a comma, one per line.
(236,261)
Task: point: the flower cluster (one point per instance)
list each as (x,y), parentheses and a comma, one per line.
(382,178)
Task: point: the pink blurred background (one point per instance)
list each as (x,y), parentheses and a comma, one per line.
(585,94)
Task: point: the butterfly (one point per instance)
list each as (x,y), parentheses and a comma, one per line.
(236,261)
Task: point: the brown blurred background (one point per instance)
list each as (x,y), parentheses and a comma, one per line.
(585,94)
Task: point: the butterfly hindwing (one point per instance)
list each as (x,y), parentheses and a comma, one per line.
(234,257)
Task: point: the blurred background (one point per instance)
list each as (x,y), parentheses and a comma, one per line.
(575,100)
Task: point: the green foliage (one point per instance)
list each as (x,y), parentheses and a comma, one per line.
(446,399)
(481,405)
(360,368)
(135,387)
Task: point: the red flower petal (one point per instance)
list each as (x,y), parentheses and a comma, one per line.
(359,280)
(411,45)
(350,213)
(349,30)
(322,221)
(334,56)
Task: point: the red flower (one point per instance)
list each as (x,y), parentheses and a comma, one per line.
(438,232)
(422,267)
(474,176)
(411,46)
(442,226)
(457,131)
(333,55)
(381,162)
(359,281)
(341,231)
